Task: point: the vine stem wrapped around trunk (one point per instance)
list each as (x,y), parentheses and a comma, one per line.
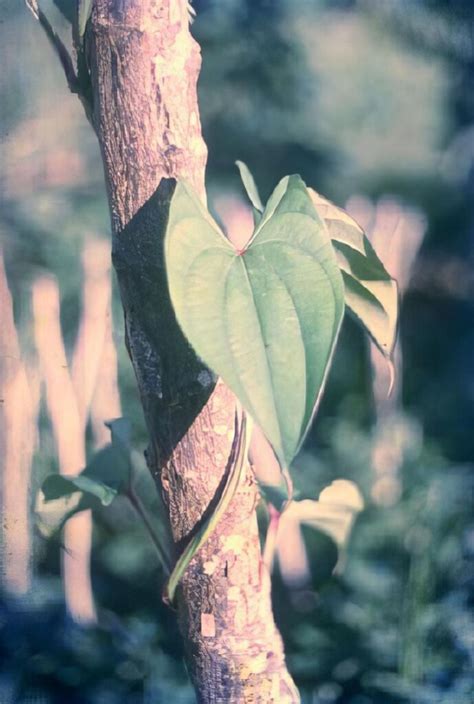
(144,67)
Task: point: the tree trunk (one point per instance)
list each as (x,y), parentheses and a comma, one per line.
(144,67)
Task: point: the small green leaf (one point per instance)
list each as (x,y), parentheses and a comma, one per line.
(333,513)
(341,227)
(265,319)
(52,513)
(110,466)
(235,473)
(84,11)
(251,190)
(61,497)
(302,524)
(113,470)
(57,486)
(120,430)
(371,294)
(106,476)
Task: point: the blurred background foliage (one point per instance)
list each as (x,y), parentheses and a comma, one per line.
(365,99)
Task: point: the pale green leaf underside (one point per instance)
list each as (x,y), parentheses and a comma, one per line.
(266,320)
(341,227)
(370,293)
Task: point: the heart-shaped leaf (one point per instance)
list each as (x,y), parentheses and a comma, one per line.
(265,319)
(370,292)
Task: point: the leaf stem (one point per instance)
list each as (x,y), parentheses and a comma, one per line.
(157,543)
(61,51)
(271,538)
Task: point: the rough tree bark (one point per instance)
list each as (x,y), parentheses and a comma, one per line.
(144,67)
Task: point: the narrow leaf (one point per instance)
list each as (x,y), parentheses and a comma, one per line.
(251,190)
(265,319)
(57,44)
(84,11)
(341,227)
(52,513)
(371,295)
(235,473)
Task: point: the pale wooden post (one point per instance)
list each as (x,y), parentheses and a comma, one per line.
(18,417)
(68,430)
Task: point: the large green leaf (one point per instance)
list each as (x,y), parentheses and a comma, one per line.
(265,319)
(370,292)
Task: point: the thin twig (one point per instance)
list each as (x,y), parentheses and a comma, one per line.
(142,512)
(58,46)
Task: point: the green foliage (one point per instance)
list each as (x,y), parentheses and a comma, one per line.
(371,295)
(333,513)
(114,470)
(98,484)
(252,190)
(84,10)
(265,319)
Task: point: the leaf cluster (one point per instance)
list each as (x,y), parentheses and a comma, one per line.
(266,318)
